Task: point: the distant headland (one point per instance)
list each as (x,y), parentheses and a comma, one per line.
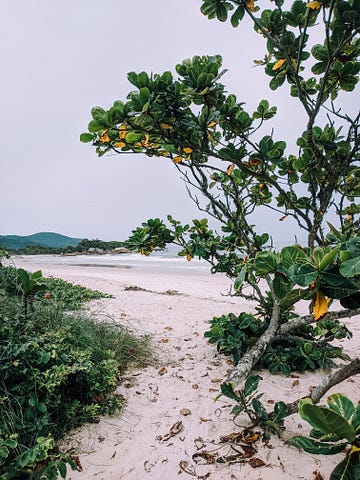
(56,243)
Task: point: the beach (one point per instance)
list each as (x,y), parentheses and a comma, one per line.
(172,413)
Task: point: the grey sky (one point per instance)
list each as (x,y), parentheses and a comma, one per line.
(62,57)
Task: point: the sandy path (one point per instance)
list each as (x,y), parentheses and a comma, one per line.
(131,446)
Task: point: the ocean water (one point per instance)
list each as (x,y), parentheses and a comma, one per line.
(162,260)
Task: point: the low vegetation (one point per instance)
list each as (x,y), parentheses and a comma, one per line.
(58,369)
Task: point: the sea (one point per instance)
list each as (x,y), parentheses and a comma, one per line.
(167,259)
(163,260)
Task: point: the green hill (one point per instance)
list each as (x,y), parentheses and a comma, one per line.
(41,239)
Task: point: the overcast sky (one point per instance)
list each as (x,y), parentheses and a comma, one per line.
(59,59)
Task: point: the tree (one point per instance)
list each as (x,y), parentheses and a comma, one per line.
(217,147)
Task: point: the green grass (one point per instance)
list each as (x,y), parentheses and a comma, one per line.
(58,369)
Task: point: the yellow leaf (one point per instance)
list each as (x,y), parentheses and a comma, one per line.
(251,5)
(212,124)
(104,137)
(187,150)
(188,257)
(281,219)
(122,131)
(166,126)
(177,159)
(164,153)
(230,169)
(320,305)
(278,64)
(147,137)
(313,5)
(120,145)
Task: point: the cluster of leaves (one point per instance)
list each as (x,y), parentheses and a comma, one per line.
(248,402)
(335,428)
(57,371)
(307,348)
(287,36)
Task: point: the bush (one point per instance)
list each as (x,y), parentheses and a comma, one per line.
(57,371)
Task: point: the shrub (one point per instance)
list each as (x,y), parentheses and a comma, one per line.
(57,371)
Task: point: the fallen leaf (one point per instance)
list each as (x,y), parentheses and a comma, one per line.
(253,437)
(204,477)
(185,411)
(271,402)
(317,475)
(187,468)
(202,419)
(199,443)
(204,458)
(162,371)
(174,430)
(195,386)
(164,340)
(217,380)
(168,328)
(148,466)
(256,462)
(231,437)
(295,383)
(114,454)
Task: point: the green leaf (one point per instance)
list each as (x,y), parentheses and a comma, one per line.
(326,421)
(265,262)
(314,446)
(355,420)
(227,389)
(292,255)
(133,137)
(251,384)
(292,297)
(240,278)
(62,469)
(237,16)
(303,274)
(282,285)
(348,469)
(351,267)
(335,286)
(280,411)
(329,258)
(342,405)
(86,137)
(144,94)
(4,452)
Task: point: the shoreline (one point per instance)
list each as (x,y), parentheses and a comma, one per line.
(186,377)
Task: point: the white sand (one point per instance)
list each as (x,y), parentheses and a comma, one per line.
(188,375)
